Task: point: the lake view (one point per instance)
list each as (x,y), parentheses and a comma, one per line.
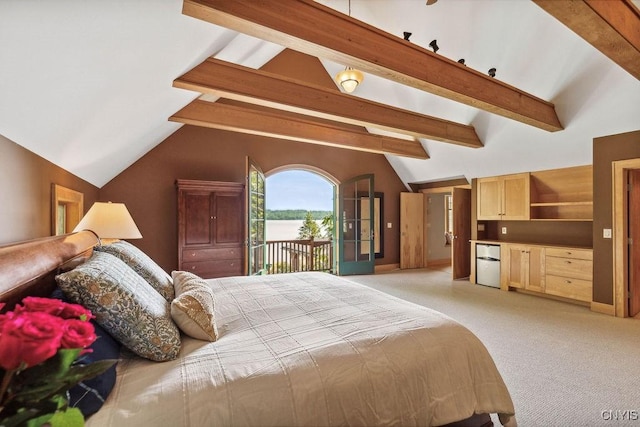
(285,229)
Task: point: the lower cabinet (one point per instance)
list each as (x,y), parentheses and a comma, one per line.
(569,273)
(558,271)
(524,267)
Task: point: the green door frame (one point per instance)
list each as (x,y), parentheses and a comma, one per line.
(356,253)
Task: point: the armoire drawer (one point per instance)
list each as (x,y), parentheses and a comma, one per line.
(214,268)
(192,255)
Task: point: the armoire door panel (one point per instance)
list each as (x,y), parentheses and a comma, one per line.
(197,219)
(228,224)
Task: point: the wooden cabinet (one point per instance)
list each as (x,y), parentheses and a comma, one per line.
(503,197)
(523,267)
(559,271)
(562,194)
(211,228)
(569,273)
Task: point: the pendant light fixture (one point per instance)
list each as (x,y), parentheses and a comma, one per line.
(349,78)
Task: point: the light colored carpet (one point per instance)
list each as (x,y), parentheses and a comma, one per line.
(563,364)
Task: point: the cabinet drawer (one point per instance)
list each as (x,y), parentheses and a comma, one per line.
(569,288)
(192,255)
(570,253)
(569,267)
(217,268)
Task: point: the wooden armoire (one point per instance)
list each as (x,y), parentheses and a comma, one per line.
(211,241)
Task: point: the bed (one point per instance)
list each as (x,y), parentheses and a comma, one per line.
(291,349)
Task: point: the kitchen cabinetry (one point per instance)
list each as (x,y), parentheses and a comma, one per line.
(211,228)
(503,197)
(523,267)
(569,273)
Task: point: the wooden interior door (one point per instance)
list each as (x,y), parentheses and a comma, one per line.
(411,230)
(460,244)
(633,216)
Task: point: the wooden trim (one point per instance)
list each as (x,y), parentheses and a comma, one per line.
(74,207)
(342,39)
(607,309)
(619,225)
(232,81)
(386,267)
(438,262)
(611,26)
(271,123)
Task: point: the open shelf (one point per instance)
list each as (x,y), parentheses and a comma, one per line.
(562,194)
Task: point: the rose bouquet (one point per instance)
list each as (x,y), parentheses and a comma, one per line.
(40,342)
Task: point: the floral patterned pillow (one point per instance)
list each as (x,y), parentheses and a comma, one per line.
(142,264)
(192,309)
(125,305)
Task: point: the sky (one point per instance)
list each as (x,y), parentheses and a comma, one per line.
(297,189)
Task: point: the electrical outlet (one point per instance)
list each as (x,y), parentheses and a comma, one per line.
(480,227)
(504,230)
(606,233)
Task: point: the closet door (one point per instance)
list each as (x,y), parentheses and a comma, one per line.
(411,230)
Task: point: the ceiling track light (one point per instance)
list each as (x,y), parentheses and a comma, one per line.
(406,35)
(492,72)
(461,61)
(434,45)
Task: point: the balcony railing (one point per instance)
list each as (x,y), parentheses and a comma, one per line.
(290,256)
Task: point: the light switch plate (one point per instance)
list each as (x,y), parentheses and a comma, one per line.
(504,230)
(606,233)
(389,225)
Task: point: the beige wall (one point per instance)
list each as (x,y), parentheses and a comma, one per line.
(606,150)
(148,186)
(25,192)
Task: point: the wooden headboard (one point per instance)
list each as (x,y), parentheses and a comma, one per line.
(29,268)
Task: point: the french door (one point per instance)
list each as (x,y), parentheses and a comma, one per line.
(256,195)
(356,252)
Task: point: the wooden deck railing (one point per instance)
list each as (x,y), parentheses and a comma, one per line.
(289,256)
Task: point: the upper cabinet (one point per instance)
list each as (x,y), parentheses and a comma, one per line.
(562,194)
(551,195)
(503,197)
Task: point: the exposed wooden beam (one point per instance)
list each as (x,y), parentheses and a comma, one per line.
(611,26)
(295,127)
(224,79)
(309,27)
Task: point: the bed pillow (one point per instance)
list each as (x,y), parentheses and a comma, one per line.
(142,264)
(125,305)
(89,395)
(192,309)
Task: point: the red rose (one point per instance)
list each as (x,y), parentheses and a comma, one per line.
(29,337)
(77,334)
(76,311)
(45,305)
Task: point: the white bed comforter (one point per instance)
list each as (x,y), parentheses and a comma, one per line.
(312,349)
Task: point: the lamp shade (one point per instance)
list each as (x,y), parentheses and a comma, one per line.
(349,79)
(109,221)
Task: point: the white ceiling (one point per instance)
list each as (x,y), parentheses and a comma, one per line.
(88,84)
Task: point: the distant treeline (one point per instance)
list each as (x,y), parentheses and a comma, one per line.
(295,214)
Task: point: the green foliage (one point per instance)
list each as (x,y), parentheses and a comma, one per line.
(36,395)
(309,229)
(288,214)
(327,225)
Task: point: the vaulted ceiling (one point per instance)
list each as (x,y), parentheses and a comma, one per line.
(93,86)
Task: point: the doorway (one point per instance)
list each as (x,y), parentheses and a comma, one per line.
(626,237)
